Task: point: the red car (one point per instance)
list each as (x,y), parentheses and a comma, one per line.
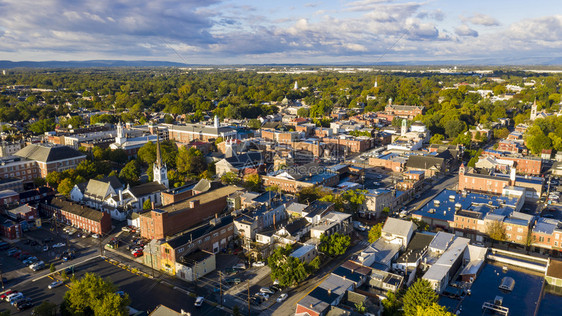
(138,254)
(5,295)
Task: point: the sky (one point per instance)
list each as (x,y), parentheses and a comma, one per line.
(286,31)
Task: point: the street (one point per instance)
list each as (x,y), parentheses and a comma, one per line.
(146,294)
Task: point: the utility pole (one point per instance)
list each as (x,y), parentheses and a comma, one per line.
(249,308)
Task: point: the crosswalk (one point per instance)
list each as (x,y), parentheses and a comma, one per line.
(364,243)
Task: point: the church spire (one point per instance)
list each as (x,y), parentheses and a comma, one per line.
(159,169)
(158,155)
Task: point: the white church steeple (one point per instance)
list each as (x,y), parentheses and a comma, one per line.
(159,169)
(120,137)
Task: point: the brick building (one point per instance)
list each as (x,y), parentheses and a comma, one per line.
(189,132)
(77,215)
(352,144)
(404,111)
(211,237)
(42,159)
(177,217)
(524,165)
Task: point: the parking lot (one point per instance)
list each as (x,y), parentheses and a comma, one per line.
(145,293)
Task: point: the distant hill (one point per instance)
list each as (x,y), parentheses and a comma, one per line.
(492,61)
(6,64)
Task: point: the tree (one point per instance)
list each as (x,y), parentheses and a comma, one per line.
(391,304)
(131,172)
(314,264)
(360,308)
(353,199)
(118,155)
(54,178)
(496,231)
(311,194)
(437,139)
(253,182)
(65,186)
(375,232)
(45,309)
(334,245)
(254,124)
(190,161)
(432,310)
(454,128)
(230,178)
(93,295)
(52,268)
(42,126)
(286,269)
(87,169)
(419,294)
(147,205)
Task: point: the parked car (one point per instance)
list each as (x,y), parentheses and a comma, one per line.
(264,295)
(59,245)
(13,252)
(199,301)
(45,248)
(126,229)
(233,281)
(55,284)
(30,260)
(12,298)
(230,271)
(23,304)
(239,266)
(120,293)
(96,236)
(4,297)
(267,290)
(282,297)
(37,266)
(258,264)
(138,254)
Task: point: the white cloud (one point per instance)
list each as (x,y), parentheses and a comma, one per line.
(481,19)
(464,30)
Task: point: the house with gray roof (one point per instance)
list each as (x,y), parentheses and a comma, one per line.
(398,231)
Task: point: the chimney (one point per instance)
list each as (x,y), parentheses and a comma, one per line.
(153,205)
(193,203)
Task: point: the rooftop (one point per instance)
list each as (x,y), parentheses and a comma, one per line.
(203,198)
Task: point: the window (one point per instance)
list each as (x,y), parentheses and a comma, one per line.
(508,228)
(166,250)
(519,238)
(519,229)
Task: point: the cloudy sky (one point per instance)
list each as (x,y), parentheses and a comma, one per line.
(286,31)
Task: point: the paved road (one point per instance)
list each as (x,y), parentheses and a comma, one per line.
(145,293)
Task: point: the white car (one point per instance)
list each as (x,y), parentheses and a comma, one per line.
(264,295)
(258,264)
(55,284)
(59,245)
(282,297)
(266,290)
(96,236)
(199,301)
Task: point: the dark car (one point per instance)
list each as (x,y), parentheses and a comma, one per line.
(23,304)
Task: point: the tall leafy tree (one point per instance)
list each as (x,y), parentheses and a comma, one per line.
(93,295)
(419,295)
(131,172)
(375,232)
(334,245)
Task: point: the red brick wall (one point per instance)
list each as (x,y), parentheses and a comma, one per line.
(303,309)
(166,224)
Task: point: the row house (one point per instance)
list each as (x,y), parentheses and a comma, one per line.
(283,137)
(352,144)
(79,216)
(389,161)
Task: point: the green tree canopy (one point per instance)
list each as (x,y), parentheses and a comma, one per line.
(375,232)
(131,172)
(253,182)
(65,186)
(230,178)
(334,245)
(419,295)
(286,269)
(93,295)
(190,161)
(42,126)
